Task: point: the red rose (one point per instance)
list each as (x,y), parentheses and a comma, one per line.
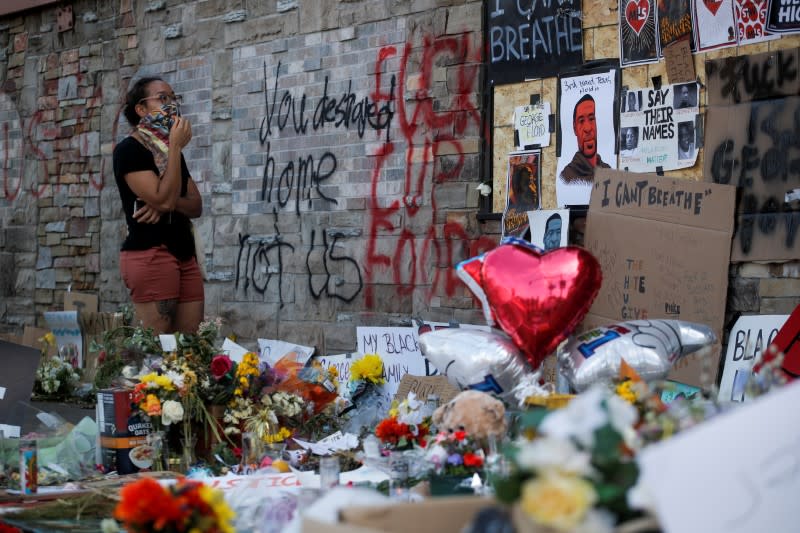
(220,365)
(460,435)
(473,459)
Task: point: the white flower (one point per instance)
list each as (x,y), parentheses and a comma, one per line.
(109,525)
(176,378)
(485,189)
(171,411)
(596,521)
(623,416)
(547,453)
(409,412)
(582,416)
(436,454)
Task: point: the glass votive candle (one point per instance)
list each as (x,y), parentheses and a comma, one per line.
(328,471)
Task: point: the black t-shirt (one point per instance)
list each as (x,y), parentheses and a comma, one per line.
(174,229)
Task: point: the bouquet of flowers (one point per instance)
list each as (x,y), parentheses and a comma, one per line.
(222,380)
(405,427)
(146,506)
(55,378)
(576,470)
(455,454)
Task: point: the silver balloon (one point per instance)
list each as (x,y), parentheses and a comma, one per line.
(651,347)
(476,359)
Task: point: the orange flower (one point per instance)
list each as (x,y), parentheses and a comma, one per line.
(146,506)
(152,405)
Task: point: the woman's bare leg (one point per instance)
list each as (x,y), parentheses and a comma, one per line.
(158,315)
(188,316)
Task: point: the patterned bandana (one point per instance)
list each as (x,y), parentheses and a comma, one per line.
(153,131)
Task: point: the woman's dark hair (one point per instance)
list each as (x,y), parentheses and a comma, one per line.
(135,95)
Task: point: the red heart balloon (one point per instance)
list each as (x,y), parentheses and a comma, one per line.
(539,299)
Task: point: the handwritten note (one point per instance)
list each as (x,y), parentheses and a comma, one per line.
(680,63)
(532,124)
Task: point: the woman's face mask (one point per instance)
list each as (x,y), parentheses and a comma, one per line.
(163,118)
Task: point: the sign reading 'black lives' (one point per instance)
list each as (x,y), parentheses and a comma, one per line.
(534,39)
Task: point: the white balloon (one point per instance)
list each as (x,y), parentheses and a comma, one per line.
(651,347)
(476,359)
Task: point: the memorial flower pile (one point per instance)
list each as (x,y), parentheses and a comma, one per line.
(55,377)
(147,506)
(577,467)
(455,454)
(405,427)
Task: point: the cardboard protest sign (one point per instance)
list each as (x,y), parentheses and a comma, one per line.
(735,472)
(522,191)
(663,245)
(536,40)
(586,132)
(424,386)
(783,16)
(752,145)
(638,42)
(661,134)
(747,342)
(714,25)
(741,79)
(80,301)
(674,22)
(549,228)
(679,61)
(751,21)
(532,126)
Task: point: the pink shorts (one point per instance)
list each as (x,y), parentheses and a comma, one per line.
(155,275)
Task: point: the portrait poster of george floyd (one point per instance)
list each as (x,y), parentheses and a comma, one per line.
(587,131)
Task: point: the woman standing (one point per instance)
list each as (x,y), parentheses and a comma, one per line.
(159,197)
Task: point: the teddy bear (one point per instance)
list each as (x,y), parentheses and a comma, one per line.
(476,412)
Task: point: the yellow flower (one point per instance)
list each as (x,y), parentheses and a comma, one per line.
(556,500)
(216,501)
(626,391)
(164,382)
(279,436)
(332,372)
(368,368)
(49,339)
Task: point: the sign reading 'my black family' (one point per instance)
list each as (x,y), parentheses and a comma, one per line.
(533,39)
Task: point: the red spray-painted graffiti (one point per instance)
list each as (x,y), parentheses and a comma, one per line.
(418,122)
(35,131)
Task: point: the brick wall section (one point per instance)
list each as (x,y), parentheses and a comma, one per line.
(363,226)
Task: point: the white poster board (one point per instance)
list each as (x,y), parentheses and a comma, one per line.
(748,339)
(662,133)
(532,124)
(735,472)
(67,331)
(271,351)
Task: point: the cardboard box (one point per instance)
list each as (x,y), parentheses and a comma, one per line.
(434,515)
(664,246)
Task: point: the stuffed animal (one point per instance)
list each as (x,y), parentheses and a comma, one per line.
(477,413)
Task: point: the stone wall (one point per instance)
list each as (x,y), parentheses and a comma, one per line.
(336,146)
(311,226)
